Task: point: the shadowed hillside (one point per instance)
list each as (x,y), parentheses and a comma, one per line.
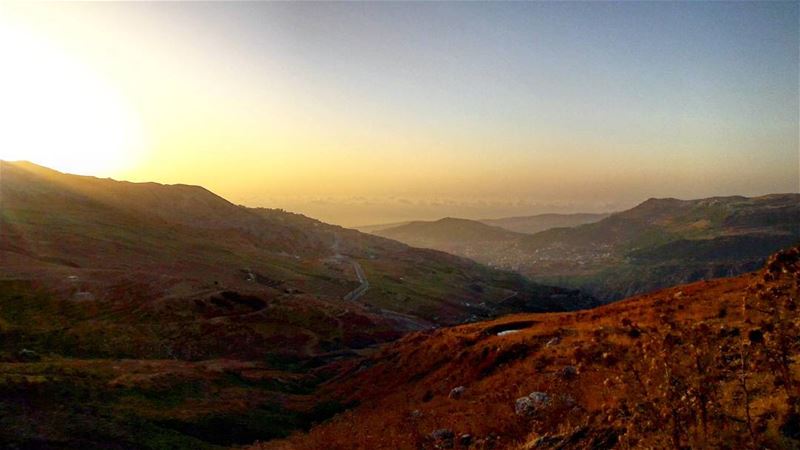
(170,312)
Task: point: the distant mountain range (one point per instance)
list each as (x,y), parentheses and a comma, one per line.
(541,222)
(521,224)
(469,238)
(658,243)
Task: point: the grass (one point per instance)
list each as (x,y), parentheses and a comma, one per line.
(81,393)
(662,370)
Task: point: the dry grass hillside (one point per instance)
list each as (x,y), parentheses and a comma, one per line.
(709,365)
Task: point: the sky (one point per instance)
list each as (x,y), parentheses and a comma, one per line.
(365,113)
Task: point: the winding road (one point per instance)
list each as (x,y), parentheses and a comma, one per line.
(362,278)
(361,289)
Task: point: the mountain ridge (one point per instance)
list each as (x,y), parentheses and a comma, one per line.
(541,222)
(629,252)
(164,316)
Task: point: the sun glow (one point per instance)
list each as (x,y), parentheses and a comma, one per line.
(55,111)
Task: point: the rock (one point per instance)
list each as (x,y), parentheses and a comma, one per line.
(443,434)
(465,440)
(522,405)
(552,342)
(28,355)
(457,391)
(504,333)
(785,261)
(532,404)
(569,372)
(539,397)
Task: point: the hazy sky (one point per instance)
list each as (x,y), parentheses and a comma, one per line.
(361,113)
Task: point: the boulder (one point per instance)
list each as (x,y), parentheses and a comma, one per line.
(456,392)
(532,404)
(443,438)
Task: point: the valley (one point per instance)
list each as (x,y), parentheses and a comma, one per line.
(156,316)
(659,243)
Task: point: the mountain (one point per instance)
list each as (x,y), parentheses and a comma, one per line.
(163,316)
(464,237)
(541,222)
(659,243)
(520,224)
(663,242)
(378,227)
(706,365)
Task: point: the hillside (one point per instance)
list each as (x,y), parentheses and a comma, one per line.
(659,243)
(468,238)
(712,364)
(542,222)
(171,312)
(520,224)
(372,229)
(58,222)
(663,242)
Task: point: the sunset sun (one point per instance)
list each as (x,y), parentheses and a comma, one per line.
(57,111)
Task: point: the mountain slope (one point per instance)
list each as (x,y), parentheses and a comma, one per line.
(84,222)
(541,222)
(707,365)
(172,318)
(659,243)
(372,229)
(468,238)
(663,242)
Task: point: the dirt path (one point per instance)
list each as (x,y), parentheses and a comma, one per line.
(362,278)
